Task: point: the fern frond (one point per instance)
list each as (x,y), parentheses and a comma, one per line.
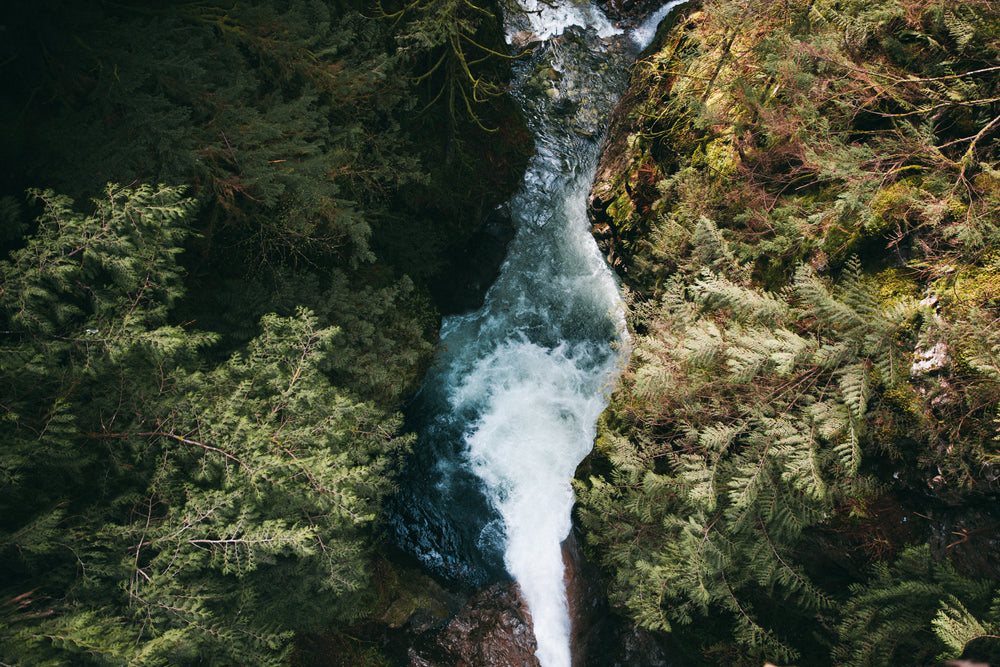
(748,306)
(819,299)
(848,450)
(961,22)
(855,387)
(802,460)
(699,474)
(703,346)
(955,626)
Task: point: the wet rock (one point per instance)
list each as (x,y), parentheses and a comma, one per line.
(476,265)
(616,158)
(584,596)
(493,628)
(599,637)
(420,603)
(620,184)
(574,95)
(617,643)
(629,12)
(414,660)
(968,536)
(523,40)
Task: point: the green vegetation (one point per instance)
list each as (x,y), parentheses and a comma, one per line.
(178,512)
(800,462)
(240,225)
(201,378)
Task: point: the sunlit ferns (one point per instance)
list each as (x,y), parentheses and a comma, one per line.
(761,435)
(896,616)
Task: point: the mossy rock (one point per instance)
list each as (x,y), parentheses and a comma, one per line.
(893,206)
(412,593)
(896,284)
(717,156)
(988,182)
(970,287)
(622,211)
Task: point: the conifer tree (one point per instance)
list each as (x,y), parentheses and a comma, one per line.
(157,508)
(804,209)
(745,427)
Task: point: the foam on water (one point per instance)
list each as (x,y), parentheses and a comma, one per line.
(642,36)
(547,20)
(510,408)
(539,424)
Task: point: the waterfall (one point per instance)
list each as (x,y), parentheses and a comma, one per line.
(510,407)
(644,33)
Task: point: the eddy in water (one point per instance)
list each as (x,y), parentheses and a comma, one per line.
(510,408)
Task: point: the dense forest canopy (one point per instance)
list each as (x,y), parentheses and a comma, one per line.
(228,231)
(226,227)
(800,464)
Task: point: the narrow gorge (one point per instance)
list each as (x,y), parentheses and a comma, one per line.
(510,406)
(500,332)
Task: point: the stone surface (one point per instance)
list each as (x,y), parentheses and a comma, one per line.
(475,266)
(620,182)
(629,11)
(600,637)
(493,628)
(616,159)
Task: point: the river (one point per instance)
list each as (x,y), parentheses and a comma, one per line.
(510,407)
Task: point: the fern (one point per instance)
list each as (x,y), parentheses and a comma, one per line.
(803,461)
(855,387)
(747,305)
(956,628)
(831,312)
(763,404)
(962,23)
(703,346)
(896,616)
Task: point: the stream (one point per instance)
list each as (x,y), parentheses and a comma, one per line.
(510,407)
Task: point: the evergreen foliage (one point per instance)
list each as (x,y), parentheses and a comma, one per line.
(300,127)
(805,219)
(445,37)
(177,510)
(746,427)
(200,382)
(914,611)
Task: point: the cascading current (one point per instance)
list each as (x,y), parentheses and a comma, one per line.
(510,408)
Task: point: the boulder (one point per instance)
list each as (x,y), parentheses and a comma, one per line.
(493,628)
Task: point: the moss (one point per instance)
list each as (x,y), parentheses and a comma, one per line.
(904,400)
(896,284)
(987,182)
(839,242)
(957,208)
(408,592)
(621,210)
(970,287)
(717,157)
(893,206)
(886,435)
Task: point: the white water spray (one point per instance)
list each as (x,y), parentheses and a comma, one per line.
(525,448)
(547,20)
(538,404)
(519,384)
(643,35)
